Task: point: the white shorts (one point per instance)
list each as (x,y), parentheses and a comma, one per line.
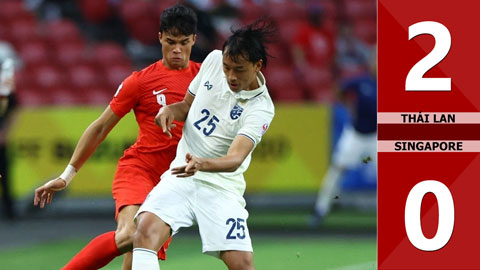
(353,147)
(220,215)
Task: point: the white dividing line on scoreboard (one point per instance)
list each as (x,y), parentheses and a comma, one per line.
(428,146)
(428,118)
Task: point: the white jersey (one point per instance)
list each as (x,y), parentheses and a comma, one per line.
(217,115)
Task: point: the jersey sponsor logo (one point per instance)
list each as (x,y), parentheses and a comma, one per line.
(236,112)
(208,85)
(159,91)
(264,128)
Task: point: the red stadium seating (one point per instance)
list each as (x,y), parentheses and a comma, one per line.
(360,8)
(34,53)
(286,10)
(141,20)
(34,97)
(288,29)
(366,30)
(115,75)
(97,95)
(95,11)
(283,85)
(63,31)
(48,76)
(11,9)
(66,96)
(319,84)
(22,31)
(70,53)
(83,76)
(109,53)
(24,79)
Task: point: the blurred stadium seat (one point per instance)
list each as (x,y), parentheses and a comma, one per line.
(99,95)
(319,84)
(115,74)
(109,53)
(22,31)
(70,53)
(283,85)
(366,30)
(288,9)
(34,53)
(12,9)
(83,76)
(34,97)
(95,11)
(141,20)
(360,8)
(48,76)
(63,31)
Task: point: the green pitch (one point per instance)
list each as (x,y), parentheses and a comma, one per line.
(271,252)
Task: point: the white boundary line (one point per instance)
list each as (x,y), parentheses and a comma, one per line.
(371,265)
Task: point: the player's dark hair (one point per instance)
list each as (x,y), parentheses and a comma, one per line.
(178,19)
(250,41)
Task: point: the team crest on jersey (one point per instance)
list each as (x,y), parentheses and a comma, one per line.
(264,128)
(236,112)
(208,85)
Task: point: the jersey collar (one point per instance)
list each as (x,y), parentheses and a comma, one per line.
(243,94)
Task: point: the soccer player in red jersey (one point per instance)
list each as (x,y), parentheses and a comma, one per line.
(160,84)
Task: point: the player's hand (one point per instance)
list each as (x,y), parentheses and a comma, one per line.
(193,165)
(44,194)
(164,119)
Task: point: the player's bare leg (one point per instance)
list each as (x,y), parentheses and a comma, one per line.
(238,260)
(149,237)
(124,233)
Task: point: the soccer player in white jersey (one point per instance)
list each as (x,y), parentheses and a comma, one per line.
(226,111)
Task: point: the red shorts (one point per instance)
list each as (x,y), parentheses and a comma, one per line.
(132,182)
(137,174)
(131,186)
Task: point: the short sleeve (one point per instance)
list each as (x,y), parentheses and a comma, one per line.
(255,124)
(212,59)
(126,96)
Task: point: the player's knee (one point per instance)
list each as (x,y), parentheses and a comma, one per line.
(124,237)
(140,236)
(146,231)
(241,262)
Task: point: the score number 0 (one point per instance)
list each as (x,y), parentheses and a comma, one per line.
(416,82)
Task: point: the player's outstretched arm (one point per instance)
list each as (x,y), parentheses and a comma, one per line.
(238,151)
(44,194)
(177,111)
(86,146)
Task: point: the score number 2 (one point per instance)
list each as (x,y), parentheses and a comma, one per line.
(443,42)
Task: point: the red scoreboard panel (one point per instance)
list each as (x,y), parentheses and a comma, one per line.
(428,134)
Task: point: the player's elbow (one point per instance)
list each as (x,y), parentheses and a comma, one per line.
(234,164)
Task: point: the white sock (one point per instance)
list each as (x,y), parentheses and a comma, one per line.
(145,259)
(328,190)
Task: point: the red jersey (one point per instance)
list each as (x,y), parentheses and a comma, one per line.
(146,92)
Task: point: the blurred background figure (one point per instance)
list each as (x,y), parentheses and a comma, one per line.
(358,141)
(7,108)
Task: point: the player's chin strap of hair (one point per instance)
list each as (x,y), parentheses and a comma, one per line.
(68,174)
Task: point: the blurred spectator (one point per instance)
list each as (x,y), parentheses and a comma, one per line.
(8,104)
(313,49)
(207,36)
(351,53)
